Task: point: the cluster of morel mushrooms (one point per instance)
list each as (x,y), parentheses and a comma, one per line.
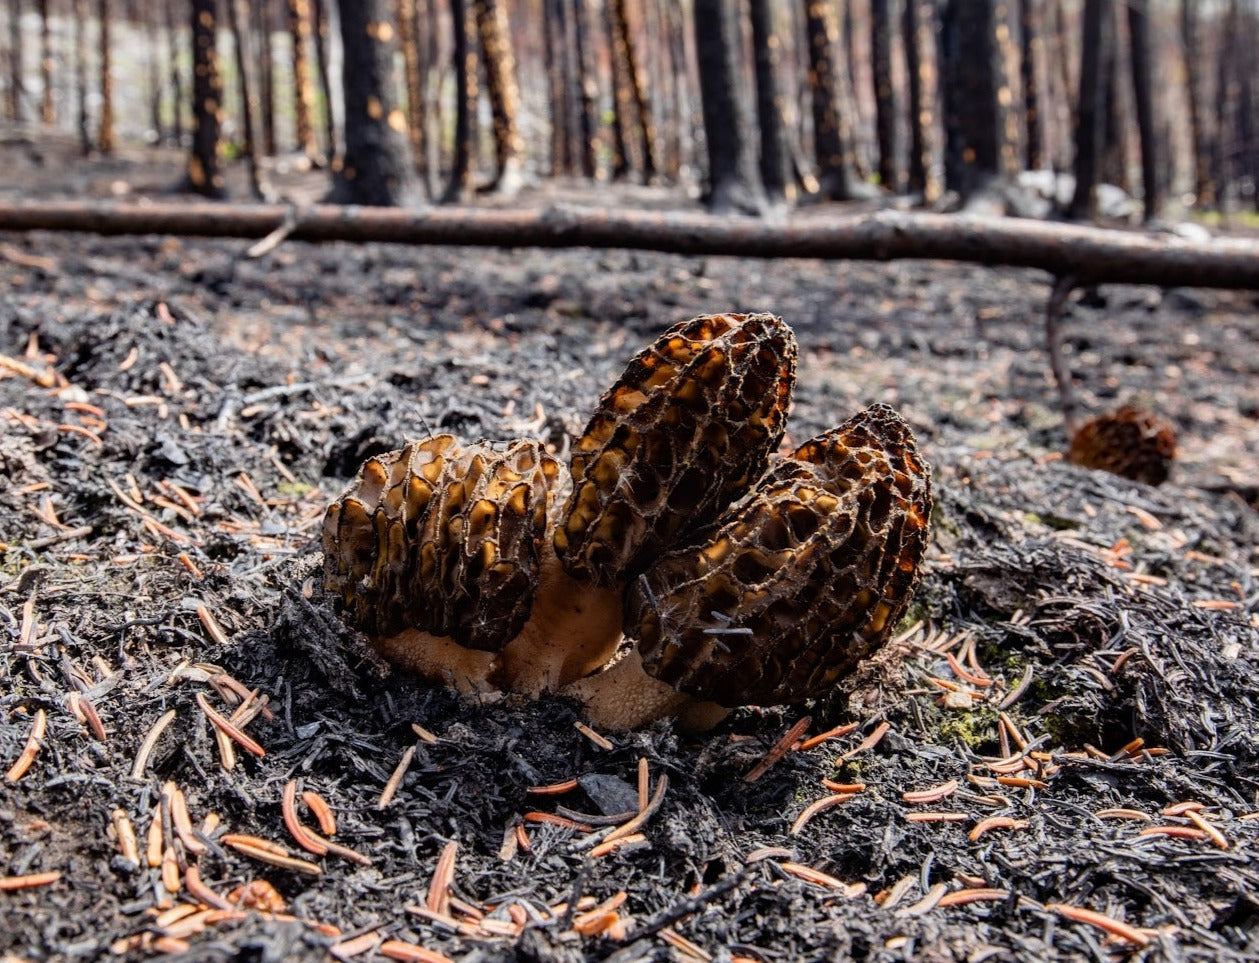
(679,567)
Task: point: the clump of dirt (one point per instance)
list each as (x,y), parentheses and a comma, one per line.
(1081,654)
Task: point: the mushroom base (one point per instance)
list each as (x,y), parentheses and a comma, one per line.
(573,629)
(623,696)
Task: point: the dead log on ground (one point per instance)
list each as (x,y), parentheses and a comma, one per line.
(1088,254)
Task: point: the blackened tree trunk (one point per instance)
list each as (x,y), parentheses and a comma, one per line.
(919,18)
(732,184)
(266,76)
(247,87)
(832,127)
(375,168)
(105,129)
(464,26)
(204,173)
(409,40)
(769,107)
(16,89)
(556,56)
(885,95)
(1091,113)
(588,89)
(154,63)
(176,77)
(977,119)
(1031,29)
(83,122)
(303,95)
(500,82)
(1114,162)
(1204,195)
(322,33)
(47,112)
(621,98)
(1143,98)
(628,52)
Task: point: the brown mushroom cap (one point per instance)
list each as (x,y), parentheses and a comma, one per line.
(687,429)
(441,538)
(1131,442)
(792,588)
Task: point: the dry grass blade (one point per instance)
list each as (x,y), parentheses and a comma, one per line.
(303,836)
(437,900)
(979,894)
(996,822)
(934,794)
(779,749)
(29,881)
(1217,837)
(27,758)
(410,952)
(225,726)
(638,821)
(818,806)
(267,854)
(553,789)
(1107,924)
(837,733)
(869,742)
(395,780)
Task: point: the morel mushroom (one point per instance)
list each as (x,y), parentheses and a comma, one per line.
(439,552)
(787,594)
(1131,442)
(686,430)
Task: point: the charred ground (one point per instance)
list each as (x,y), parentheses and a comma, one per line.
(256,387)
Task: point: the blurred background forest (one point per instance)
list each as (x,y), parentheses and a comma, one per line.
(751,105)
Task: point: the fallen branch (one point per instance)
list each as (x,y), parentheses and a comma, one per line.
(1090,254)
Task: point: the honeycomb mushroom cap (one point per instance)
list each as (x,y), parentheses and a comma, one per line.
(442,538)
(1131,442)
(793,587)
(685,431)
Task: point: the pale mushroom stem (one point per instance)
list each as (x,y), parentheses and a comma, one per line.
(573,629)
(623,696)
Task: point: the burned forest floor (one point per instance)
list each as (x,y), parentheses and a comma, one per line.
(1066,724)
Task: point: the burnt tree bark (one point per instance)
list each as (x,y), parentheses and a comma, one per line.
(82,120)
(266,75)
(1143,98)
(500,82)
(622,99)
(885,95)
(1091,112)
(409,40)
(153,62)
(919,17)
(769,106)
(465,57)
(732,185)
(588,89)
(977,121)
(626,50)
(1031,29)
(1204,195)
(204,173)
(832,127)
(555,54)
(321,32)
(374,168)
(1091,254)
(176,77)
(247,89)
(47,111)
(303,95)
(105,123)
(16,91)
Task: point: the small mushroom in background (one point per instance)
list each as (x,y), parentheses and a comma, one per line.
(495,570)
(788,592)
(1131,442)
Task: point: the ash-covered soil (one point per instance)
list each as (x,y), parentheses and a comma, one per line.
(176,416)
